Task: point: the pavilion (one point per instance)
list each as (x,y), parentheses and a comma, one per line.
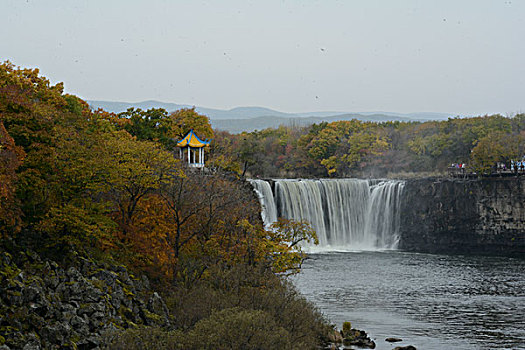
(192,150)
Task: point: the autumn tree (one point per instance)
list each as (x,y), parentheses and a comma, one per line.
(341,146)
(127,170)
(285,237)
(221,153)
(31,108)
(10,158)
(496,147)
(203,211)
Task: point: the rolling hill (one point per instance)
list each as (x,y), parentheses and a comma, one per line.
(240,119)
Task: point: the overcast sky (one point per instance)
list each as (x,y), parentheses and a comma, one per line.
(457,56)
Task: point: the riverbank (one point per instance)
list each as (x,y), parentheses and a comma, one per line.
(92,304)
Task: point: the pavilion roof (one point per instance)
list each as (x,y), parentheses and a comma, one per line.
(192,140)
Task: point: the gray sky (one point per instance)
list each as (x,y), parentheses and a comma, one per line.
(461,56)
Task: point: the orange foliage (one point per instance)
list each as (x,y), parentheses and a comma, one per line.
(10,158)
(195,222)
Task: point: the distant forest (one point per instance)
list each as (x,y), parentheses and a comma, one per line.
(347,148)
(367,149)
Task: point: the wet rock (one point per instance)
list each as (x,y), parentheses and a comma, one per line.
(408,347)
(393,340)
(355,337)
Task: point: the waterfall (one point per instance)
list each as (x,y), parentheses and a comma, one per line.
(264,192)
(346,213)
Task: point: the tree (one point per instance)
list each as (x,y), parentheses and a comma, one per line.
(221,154)
(11,157)
(30,108)
(186,119)
(203,213)
(496,147)
(284,237)
(150,125)
(341,146)
(248,151)
(127,170)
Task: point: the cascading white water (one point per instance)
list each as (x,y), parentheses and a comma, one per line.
(264,192)
(346,213)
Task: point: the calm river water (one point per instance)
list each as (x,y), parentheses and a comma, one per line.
(430,301)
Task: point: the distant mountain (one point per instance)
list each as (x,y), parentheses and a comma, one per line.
(234,113)
(117,107)
(260,123)
(256,118)
(416,115)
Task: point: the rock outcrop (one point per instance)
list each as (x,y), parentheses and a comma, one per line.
(473,216)
(43,305)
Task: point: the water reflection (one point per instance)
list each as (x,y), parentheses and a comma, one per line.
(430,301)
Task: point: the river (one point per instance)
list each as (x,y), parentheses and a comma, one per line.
(430,301)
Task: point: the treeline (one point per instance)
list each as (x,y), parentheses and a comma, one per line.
(80,182)
(366,149)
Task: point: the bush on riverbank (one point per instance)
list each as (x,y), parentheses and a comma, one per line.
(245,307)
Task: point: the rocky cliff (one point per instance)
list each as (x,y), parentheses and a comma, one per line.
(472,216)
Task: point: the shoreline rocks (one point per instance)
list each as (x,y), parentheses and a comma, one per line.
(356,337)
(43,305)
(408,347)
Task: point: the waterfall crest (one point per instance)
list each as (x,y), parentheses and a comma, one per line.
(347,214)
(264,192)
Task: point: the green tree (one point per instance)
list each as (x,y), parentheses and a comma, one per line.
(150,125)
(285,237)
(186,119)
(496,147)
(248,151)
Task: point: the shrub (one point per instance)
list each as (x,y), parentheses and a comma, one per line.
(237,328)
(145,338)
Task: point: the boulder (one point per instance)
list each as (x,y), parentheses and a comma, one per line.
(355,337)
(56,334)
(156,304)
(393,340)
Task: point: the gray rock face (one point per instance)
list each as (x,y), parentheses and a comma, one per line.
(481,216)
(43,306)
